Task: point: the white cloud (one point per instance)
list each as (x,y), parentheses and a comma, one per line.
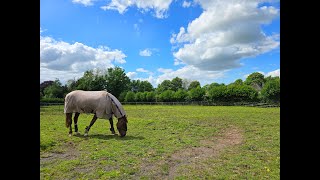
(131,75)
(145,52)
(61,59)
(160,7)
(186,4)
(84,2)
(273,73)
(178,62)
(42,30)
(142,70)
(226,31)
(191,73)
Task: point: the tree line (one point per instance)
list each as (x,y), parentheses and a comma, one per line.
(255,88)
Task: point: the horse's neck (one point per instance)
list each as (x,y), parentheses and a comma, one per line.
(116,108)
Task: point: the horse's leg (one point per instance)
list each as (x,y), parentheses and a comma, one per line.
(75,119)
(69,122)
(91,123)
(111,125)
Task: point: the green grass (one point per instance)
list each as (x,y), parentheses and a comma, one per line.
(154,133)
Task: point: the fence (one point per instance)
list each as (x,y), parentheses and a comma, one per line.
(200,103)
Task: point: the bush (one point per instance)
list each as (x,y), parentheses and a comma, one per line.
(271,91)
(52,100)
(130,97)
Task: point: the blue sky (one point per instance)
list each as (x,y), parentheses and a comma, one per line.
(205,40)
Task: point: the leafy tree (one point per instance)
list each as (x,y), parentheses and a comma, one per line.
(43,85)
(180,95)
(130,97)
(91,81)
(71,85)
(140,86)
(238,93)
(55,90)
(165,85)
(176,83)
(271,90)
(196,94)
(140,97)
(238,82)
(166,96)
(255,80)
(217,93)
(122,96)
(270,78)
(116,81)
(193,84)
(151,96)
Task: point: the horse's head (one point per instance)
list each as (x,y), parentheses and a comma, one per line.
(122,125)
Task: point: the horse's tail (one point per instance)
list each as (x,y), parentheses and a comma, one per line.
(68,119)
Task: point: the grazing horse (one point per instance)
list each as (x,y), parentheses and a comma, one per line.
(100,103)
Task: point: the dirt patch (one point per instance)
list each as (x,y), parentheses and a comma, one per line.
(69,152)
(209,148)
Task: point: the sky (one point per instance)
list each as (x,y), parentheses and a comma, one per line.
(205,40)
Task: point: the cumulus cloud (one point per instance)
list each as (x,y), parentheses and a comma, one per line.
(131,75)
(83,2)
(159,7)
(226,31)
(186,4)
(142,70)
(148,51)
(273,73)
(145,52)
(59,56)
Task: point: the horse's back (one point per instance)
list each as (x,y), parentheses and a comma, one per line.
(84,101)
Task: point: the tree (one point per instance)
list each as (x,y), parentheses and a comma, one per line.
(238,93)
(71,85)
(151,96)
(55,90)
(217,93)
(176,83)
(238,82)
(116,81)
(196,94)
(193,84)
(180,95)
(130,97)
(146,86)
(165,85)
(166,96)
(140,86)
(91,81)
(255,80)
(43,85)
(271,90)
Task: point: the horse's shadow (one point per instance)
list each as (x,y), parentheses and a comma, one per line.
(110,136)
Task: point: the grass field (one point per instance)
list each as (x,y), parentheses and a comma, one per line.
(165,142)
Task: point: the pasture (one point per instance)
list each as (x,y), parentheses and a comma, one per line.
(164,142)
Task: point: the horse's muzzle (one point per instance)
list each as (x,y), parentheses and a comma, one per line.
(123,134)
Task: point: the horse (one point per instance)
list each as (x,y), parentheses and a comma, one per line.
(100,103)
